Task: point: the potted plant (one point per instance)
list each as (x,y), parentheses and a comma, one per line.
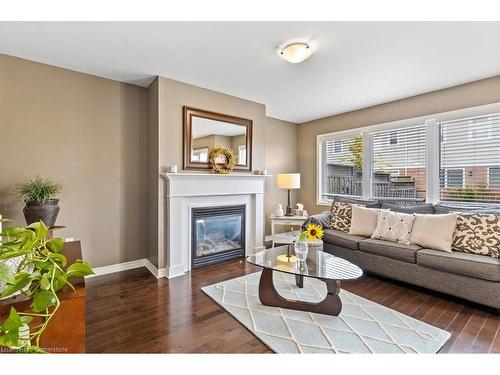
(40,198)
(39,272)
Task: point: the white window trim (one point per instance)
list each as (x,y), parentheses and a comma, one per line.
(488,177)
(431,122)
(446,170)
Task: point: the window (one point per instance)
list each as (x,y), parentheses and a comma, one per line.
(200,154)
(393,138)
(494,177)
(453,178)
(338,147)
(341,171)
(399,169)
(242,154)
(453,156)
(470,159)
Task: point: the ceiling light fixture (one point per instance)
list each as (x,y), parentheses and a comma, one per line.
(295,52)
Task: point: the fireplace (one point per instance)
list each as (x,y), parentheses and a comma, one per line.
(217,234)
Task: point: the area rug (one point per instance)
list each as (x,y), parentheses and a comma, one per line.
(362,327)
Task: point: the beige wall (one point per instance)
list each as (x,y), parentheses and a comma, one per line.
(153,171)
(268,137)
(203,142)
(463,96)
(281,157)
(87,133)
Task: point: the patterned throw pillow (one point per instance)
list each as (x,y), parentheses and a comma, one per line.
(477,234)
(394,227)
(340,218)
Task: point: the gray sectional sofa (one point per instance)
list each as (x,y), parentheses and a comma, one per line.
(469,276)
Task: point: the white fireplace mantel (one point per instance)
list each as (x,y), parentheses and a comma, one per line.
(185,191)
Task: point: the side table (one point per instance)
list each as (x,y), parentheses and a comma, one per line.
(293,221)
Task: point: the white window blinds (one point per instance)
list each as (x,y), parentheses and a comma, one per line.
(399,164)
(470,159)
(342,161)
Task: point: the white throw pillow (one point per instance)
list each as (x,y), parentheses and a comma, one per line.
(434,231)
(394,227)
(363,220)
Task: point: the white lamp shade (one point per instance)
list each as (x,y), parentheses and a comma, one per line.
(289,181)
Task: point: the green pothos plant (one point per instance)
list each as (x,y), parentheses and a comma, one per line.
(41,271)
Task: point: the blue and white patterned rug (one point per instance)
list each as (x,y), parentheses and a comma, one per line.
(362,326)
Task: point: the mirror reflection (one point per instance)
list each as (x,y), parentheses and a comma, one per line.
(207,133)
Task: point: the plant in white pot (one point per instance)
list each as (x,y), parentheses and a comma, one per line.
(40,198)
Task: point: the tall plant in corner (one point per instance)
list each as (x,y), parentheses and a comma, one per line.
(40,198)
(31,263)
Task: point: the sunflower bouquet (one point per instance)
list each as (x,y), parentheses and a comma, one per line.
(312,232)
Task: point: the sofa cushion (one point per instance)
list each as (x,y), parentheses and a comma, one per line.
(444,208)
(323,219)
(370,203)
(405,253)
(339,238)
(424,208)
(473,265)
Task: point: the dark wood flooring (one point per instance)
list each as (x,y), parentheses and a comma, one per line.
(132,312)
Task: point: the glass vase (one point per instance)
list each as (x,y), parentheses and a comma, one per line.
(301,248)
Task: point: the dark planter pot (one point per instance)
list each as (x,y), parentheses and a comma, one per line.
(46,212)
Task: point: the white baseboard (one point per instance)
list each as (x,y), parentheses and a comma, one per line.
(158,273)
(99,271)
(162,272)
(174,271)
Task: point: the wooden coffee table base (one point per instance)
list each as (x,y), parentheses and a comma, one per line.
(269,296)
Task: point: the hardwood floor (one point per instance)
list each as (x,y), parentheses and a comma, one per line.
(132,312)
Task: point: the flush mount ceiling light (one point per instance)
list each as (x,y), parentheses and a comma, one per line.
(295,52)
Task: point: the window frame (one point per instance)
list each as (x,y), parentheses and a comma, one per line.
(433,148)
(446,170)
(488,178)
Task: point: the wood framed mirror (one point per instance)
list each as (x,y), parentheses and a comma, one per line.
(205,129)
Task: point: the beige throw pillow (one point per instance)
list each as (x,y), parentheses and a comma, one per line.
(394,227)
(363,221)
(434,231)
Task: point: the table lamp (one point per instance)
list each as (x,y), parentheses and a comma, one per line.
(289,181)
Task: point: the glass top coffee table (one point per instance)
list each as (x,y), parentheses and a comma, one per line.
(319,265)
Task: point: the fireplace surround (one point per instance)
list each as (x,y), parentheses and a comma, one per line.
(217,234)
(188,190)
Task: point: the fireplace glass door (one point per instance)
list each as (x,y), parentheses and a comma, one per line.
(218,234)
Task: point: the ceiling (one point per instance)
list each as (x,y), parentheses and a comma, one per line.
(355,64)
(203,127)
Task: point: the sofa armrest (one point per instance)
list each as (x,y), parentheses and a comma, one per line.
(322,219)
